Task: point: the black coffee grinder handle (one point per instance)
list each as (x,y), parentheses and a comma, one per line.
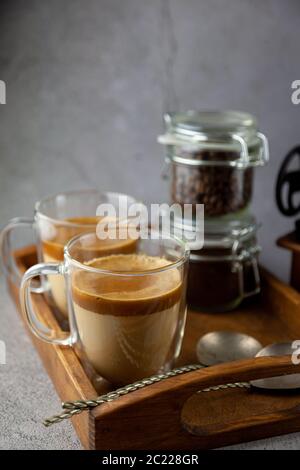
(288,185)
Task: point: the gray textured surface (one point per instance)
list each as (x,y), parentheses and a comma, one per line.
(87,83)
(27,394)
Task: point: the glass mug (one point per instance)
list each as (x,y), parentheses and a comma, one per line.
(56,220)
(126,311)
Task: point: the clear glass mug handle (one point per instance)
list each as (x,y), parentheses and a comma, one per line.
(9,266)
(40,330)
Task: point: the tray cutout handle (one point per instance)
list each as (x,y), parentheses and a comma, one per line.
(225,402)
(235,410)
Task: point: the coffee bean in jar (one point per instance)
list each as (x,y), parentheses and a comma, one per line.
(211,157)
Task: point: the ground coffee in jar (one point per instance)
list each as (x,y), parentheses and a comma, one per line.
(225,271)
(211,156)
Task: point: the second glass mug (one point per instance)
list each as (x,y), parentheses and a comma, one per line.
(56,220)
(126,311)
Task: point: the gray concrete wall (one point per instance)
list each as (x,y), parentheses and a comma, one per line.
(88,81)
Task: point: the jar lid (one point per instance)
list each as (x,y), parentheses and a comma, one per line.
(225,235)
(215,234)
(221,131)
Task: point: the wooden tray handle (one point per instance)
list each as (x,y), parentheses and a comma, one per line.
(222,418)
(228,414)
(241,371)
(179,388)
(237,371)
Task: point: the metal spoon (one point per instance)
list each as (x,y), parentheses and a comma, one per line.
(225,346)
(282,382)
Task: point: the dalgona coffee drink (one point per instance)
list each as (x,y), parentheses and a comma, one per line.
(126,310)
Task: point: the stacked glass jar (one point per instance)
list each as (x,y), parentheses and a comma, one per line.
(210,160)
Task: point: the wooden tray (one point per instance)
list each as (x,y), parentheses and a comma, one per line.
(169,414)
